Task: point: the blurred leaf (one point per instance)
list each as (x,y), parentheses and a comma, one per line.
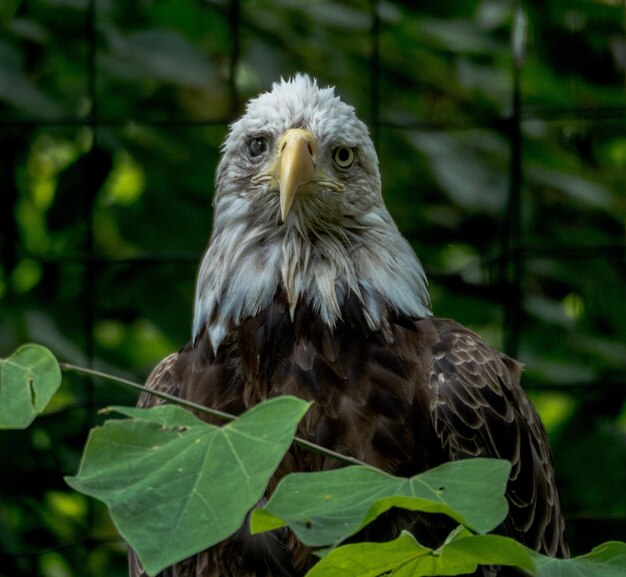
(28,380)
(327,507)
(549,311)
(77,188)
(339,15)
(8,9)
(464,174)
(126,182)
(613,353)
(579,189)
(591,441)
(456,35)
(163,55)
(29,29)
(26,275)
(204,478)
(18,90)
(555,408)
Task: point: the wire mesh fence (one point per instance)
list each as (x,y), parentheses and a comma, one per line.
(500,128)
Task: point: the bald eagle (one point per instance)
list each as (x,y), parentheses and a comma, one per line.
(308,288)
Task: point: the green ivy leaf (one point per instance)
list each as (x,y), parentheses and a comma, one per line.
(371,559)
(469,552)
(175,485)
(405,557)
(606,560)
(327,507)
(28,380)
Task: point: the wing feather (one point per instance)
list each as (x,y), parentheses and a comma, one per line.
(161,379)
(478,408)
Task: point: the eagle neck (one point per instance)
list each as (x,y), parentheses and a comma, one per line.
(245,268)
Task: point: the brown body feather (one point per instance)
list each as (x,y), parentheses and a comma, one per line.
(436,393)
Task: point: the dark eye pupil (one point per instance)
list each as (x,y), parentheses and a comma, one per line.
(343,154)
(257,146)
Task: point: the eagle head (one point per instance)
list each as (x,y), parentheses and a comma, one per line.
(298,209)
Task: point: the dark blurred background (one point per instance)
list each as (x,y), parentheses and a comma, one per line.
(501,130)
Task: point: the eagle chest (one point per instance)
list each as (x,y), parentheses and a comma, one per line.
(365,391)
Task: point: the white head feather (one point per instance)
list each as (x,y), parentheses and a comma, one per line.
(332,244)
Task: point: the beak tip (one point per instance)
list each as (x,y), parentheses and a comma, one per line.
(297,166)
(284,209)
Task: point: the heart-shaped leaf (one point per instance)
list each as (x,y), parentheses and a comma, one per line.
(176,485)
(327,507)
(606,560)
(28,380)
(405,557)
(462,553)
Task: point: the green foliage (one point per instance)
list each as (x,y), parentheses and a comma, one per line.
(404,557)
(28,380)
(461,554)
(175,485)
(327,507)
(606,560)
(434,82)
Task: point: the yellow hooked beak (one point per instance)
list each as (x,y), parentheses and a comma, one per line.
(295,165)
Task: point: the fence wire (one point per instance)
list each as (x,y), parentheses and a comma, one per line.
(506,267)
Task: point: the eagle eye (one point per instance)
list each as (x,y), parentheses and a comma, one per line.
(343,157)
(257,146)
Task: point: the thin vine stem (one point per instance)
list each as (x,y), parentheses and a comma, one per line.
(308,445)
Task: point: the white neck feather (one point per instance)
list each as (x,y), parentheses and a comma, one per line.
(250,257)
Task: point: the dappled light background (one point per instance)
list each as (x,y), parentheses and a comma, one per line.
(501,131)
